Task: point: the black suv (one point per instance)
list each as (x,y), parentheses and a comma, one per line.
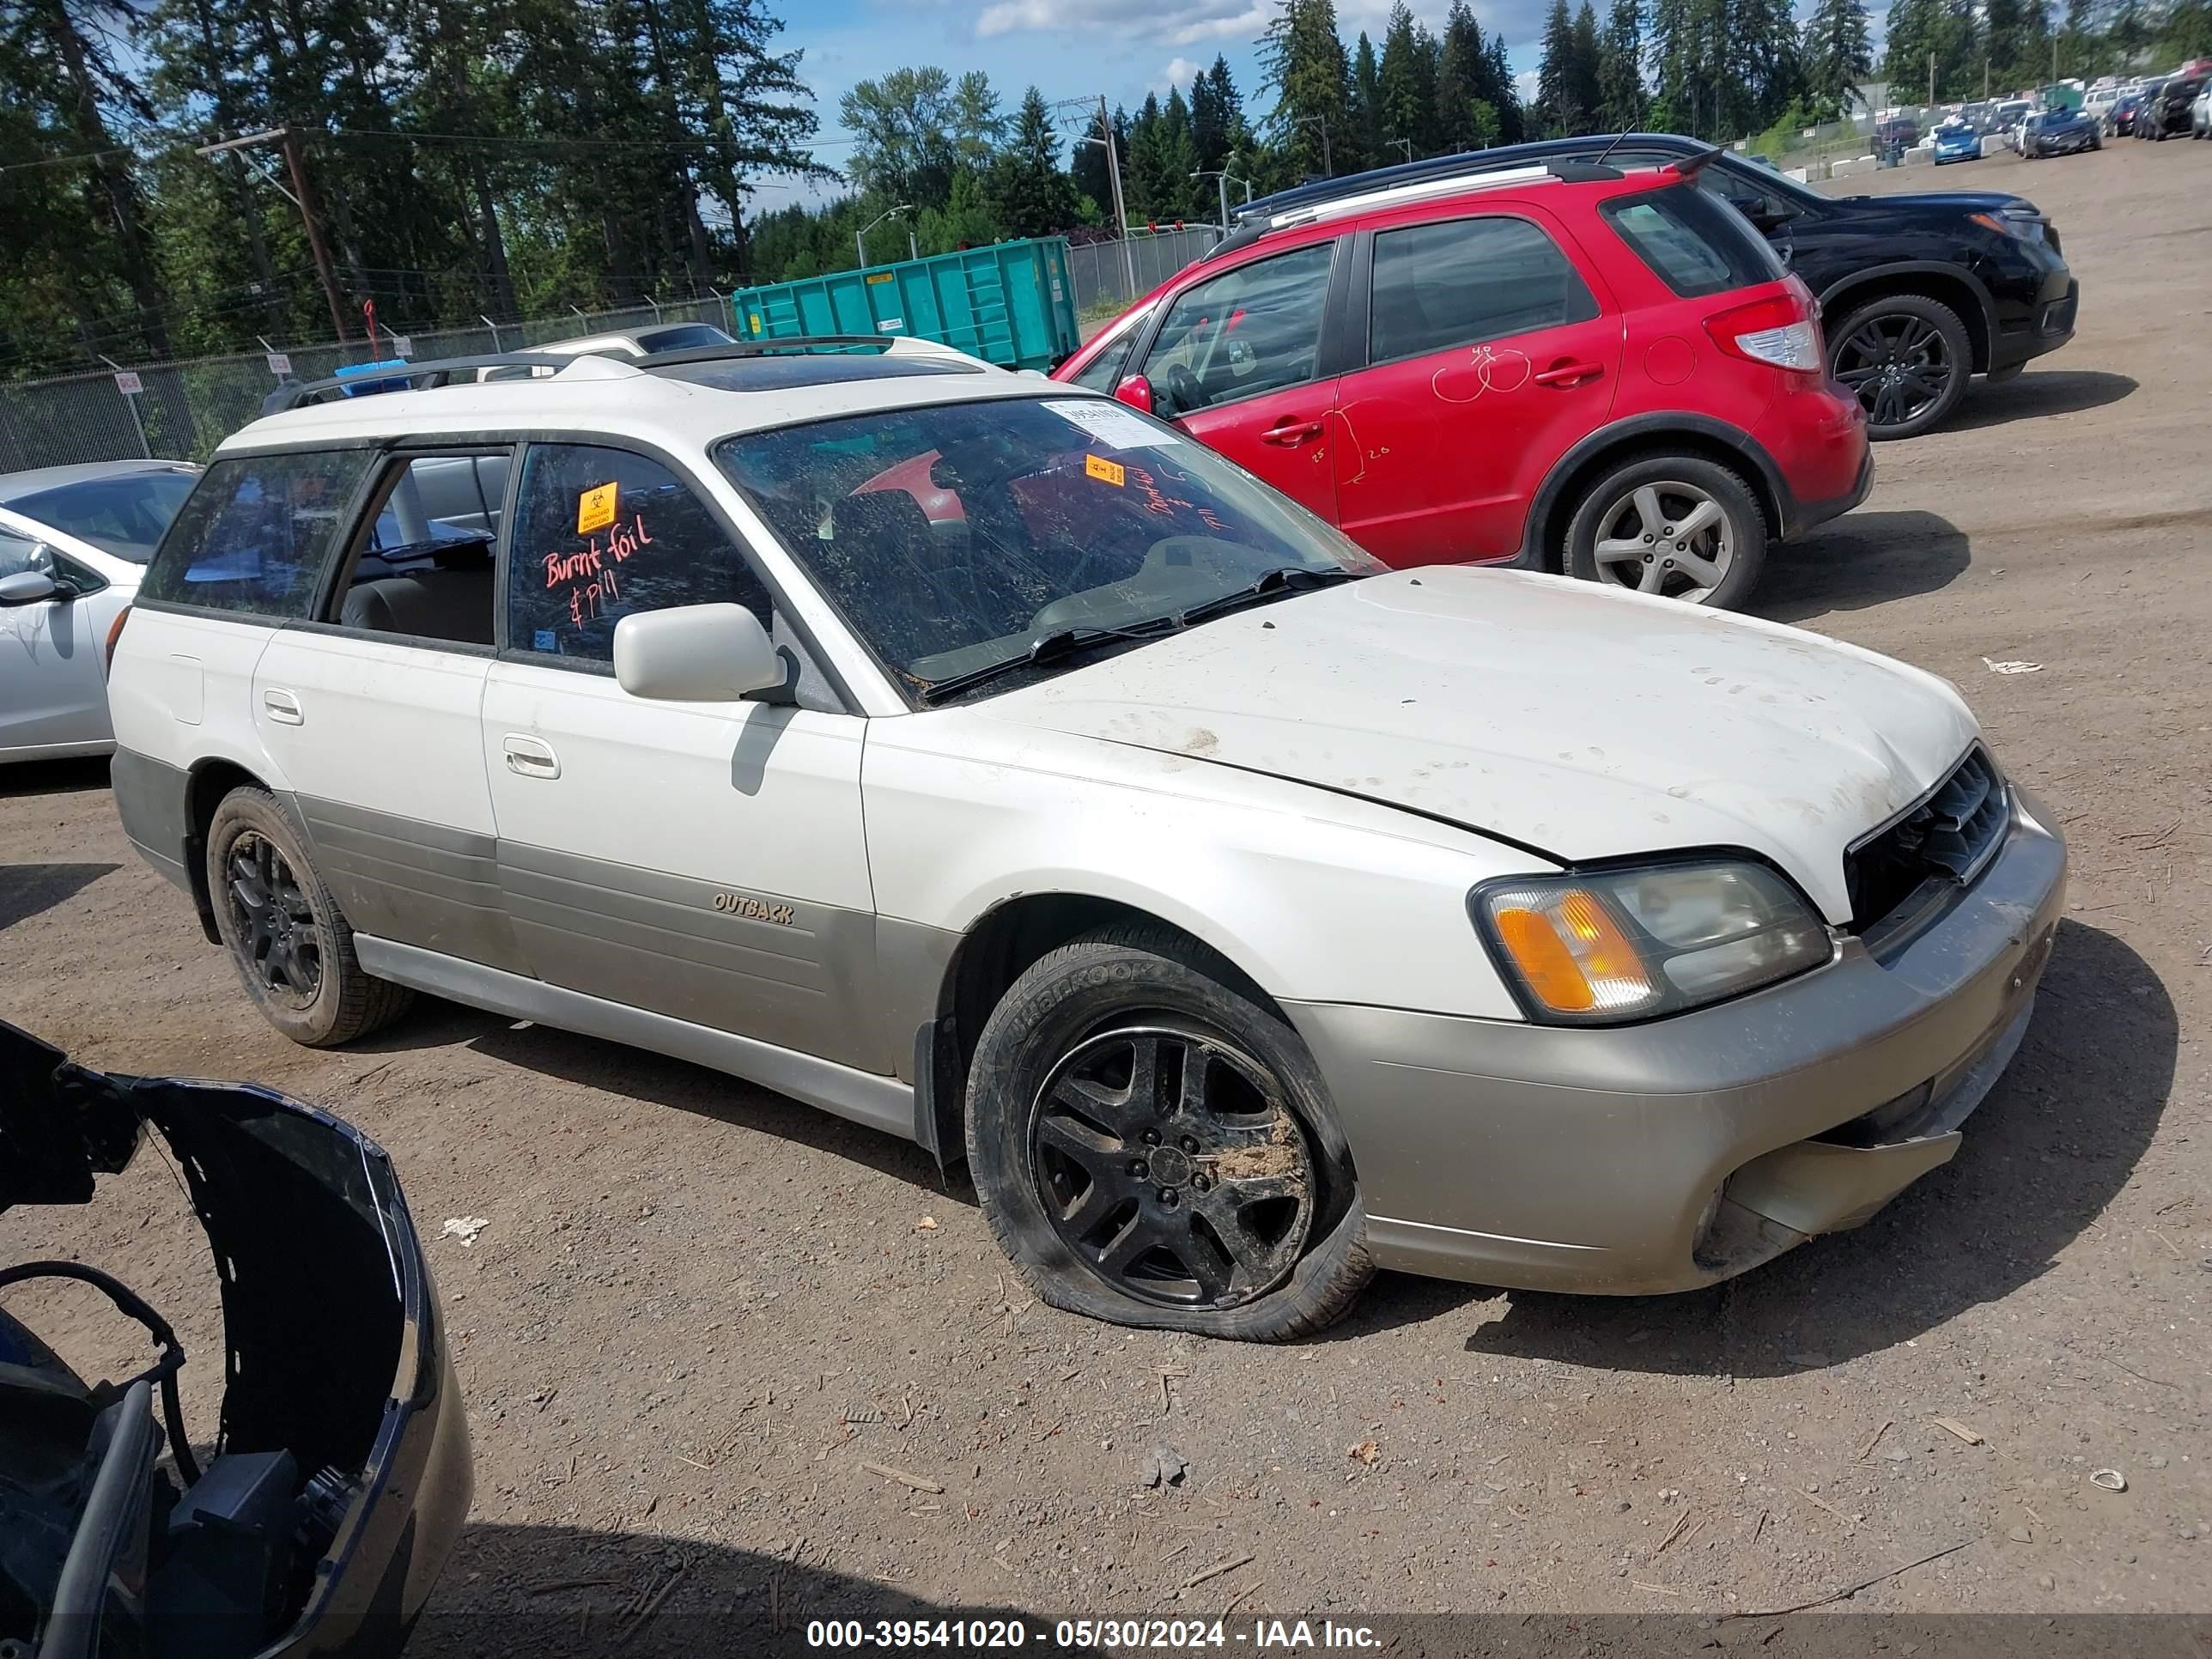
(2165,113)
(1918,292)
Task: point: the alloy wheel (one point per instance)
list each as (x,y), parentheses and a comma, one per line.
(1667,538)
(1898,364)
(275,931)
(1168,1162)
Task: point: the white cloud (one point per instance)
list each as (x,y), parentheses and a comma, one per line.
(1174,22)
(1180,72)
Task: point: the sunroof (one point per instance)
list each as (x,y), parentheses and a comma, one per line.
(803,368)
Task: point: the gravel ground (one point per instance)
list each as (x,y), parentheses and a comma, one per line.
(699,1310)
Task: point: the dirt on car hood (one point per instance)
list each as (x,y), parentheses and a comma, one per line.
(1582,723)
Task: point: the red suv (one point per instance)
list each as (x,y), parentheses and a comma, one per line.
(1565,367)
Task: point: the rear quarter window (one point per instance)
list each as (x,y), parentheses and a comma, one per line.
(1692,240)
(256,533)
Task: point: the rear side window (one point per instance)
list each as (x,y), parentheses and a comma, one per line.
(1694,242)
(254,536)
(1468,280)
(600,533)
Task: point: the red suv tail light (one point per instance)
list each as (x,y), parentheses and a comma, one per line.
(1782,331)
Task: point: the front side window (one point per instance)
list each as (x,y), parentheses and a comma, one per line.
(255,534)
(1467,280)
(1251,329)
(1104,372)
(600,533)
(961,536)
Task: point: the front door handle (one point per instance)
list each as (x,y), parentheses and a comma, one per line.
(528,757)
(1292,433)
(282,708)
(1569,371)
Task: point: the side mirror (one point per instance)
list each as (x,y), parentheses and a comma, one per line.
(1136,391)
(28,587)
(696,653)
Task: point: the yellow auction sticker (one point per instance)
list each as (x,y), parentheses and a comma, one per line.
(1105,472)
(595,509)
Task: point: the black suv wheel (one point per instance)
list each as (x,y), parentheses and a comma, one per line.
(1907,357)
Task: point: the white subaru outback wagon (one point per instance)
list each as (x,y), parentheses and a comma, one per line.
(982,760)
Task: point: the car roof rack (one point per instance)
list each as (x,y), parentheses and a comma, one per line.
(1367,191)
(1466,162)
(367,379)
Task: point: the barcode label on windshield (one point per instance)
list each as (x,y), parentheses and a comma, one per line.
(1111,423)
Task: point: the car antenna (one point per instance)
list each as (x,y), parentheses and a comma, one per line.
(1619,139)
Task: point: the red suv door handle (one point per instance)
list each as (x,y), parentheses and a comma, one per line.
(1567,372)
(1291,432)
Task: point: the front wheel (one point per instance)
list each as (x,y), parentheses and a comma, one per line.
(1907,357)
(1154,1147)
(1678,526)
(292,947)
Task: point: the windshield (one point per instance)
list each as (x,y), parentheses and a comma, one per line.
(959,536)
(124,515)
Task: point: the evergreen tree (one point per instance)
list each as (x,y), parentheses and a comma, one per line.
(1556,111)
(1029,195)
(1503,93)
(1365,148)
(1141,165)
(1837,55)
(1403,101)
(1620,69)
(1460,69)
(1584,92)
(1310,75)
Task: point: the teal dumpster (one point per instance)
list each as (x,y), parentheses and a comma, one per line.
(1010,304)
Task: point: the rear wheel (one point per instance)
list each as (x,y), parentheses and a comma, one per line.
(291,946)
(1153,1146)
(1678,526)
(1908,359)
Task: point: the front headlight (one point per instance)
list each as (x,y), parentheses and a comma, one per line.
(1603,946)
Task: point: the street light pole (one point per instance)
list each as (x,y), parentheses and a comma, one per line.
(1406,144)
(860,236)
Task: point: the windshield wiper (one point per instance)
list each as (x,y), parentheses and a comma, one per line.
(1276,584)
(1048,647)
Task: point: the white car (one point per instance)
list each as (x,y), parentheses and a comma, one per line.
(74,541)
(979,759)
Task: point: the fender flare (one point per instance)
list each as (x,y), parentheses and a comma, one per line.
(1633,429)
(1958,273)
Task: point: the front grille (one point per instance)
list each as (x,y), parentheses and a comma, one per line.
(1947,838)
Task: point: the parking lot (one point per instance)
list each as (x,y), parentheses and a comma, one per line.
(726,1355)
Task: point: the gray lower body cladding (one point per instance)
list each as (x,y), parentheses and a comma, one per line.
(1573,1159)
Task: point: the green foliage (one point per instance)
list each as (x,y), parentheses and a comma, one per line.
(1305,64)
(1837,55)
(1029,195)
(1620,97)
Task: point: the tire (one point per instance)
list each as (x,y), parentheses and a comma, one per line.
(1129,1227)
(299,966)
(1611,516)
(1910,328)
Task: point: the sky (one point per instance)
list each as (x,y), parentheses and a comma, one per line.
(1074,48)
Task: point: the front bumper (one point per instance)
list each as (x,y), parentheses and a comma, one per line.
(2046,325)
(1544,1158)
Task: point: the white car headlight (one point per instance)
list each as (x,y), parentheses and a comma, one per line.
(1604,947)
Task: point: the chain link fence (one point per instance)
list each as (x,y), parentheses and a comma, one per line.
(1101,276)
(183,410)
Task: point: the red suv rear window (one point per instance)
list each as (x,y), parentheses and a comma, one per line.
(1694,242)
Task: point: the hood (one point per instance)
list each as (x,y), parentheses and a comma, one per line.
(1935,203)
(1579,722)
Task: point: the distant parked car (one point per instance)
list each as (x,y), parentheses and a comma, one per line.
(2147,105)
(74,541)
(2169,114)
(2200,113)
(2120,118)
(2058,132)
(1957,141)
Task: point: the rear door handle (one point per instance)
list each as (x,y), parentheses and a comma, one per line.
(282,708)
(1291,432)
(529,758)
(1567,372)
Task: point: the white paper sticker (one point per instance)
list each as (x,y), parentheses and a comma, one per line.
(1112,423)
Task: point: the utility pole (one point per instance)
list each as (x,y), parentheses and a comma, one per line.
(1105,138)
(285,139)
(1327,167)
(1931,77)
(1406,144)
